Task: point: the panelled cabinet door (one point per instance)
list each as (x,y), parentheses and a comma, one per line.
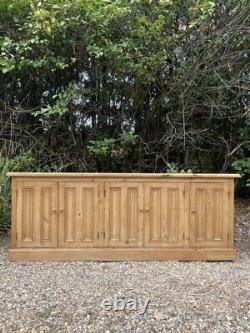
(36,218)
(123,202)
(165,218)
(78,214)
(209,218)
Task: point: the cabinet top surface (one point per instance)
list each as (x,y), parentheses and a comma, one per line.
(121,175)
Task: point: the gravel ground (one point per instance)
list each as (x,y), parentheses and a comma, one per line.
(183,296)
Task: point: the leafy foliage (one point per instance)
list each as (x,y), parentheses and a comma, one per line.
(243,167)
(22,162)
(111,153)
(173,168)
(139,85)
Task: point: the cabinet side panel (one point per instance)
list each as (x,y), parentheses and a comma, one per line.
(13,213)
(231,213)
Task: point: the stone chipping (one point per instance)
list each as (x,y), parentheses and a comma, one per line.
(209,297)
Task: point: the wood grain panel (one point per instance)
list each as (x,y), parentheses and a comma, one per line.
(46,208)
(79,214)
(209,216)
(165,216)
(36,217)
(120,254)
(27,214)
(133,209)
(123,214)
(70,214)
(88,212)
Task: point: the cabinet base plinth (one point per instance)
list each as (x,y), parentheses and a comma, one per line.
(118,254)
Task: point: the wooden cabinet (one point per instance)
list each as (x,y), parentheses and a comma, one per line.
(122,216)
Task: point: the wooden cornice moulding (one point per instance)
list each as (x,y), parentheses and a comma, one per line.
(119,175)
